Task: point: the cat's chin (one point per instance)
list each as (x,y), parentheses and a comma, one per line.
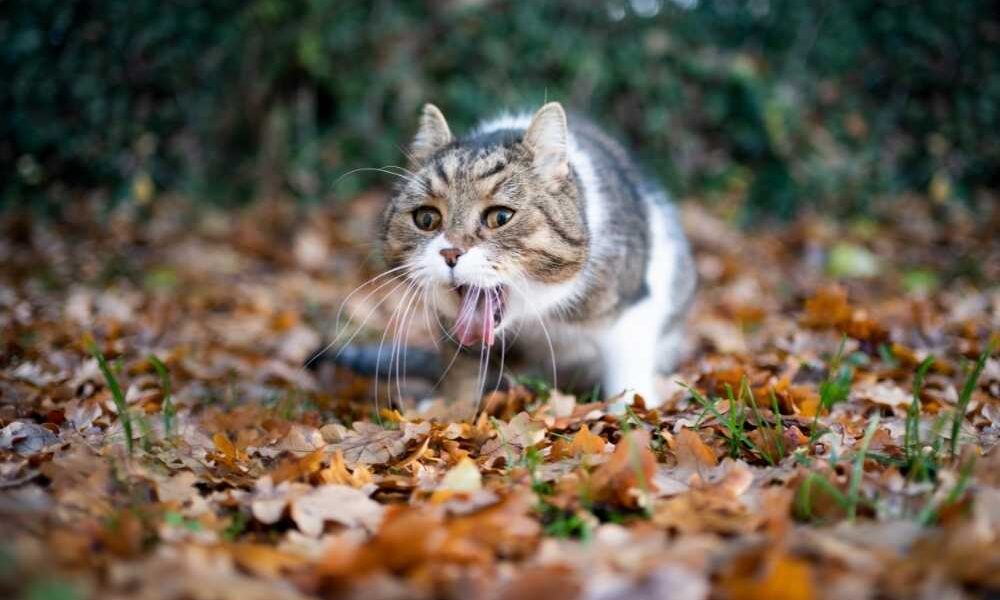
(480,312)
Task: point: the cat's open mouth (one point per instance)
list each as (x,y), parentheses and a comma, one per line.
(480,311)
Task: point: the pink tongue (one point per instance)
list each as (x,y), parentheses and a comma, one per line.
(475,317)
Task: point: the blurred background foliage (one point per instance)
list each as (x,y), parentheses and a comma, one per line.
(770,105)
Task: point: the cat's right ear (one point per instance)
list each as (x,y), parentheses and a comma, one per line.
(547,137)
(432,135)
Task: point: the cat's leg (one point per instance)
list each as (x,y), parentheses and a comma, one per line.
(671,348)
(628,351)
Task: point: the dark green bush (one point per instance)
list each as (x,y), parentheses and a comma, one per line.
(777,103)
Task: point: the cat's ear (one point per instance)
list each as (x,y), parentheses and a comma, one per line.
(432,135)
(547,138)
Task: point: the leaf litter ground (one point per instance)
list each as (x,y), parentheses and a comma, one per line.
(833,433)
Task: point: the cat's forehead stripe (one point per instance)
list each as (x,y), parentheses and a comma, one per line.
(439,170)
(499,166)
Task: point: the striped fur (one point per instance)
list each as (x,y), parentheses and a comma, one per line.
(597,268)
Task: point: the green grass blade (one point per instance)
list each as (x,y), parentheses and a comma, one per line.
(929,514)
(966,396)
(859,469)
(116,393)
(911,439)
(168,409)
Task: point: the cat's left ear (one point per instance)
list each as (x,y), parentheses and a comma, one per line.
(547,138)
(432,135)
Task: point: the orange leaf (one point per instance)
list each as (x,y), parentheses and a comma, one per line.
(225,448)
(627,474)
(585,442)
(338,473)
(785,578)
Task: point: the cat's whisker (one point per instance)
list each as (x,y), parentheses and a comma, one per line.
(340,309)
(503,353)
(402,348)
(437,317)
(403,169)
(393,322)
(447,335)
(399,281)
(424,300)
(545,331)
(379,170)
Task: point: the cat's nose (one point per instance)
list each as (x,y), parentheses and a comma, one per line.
(451,256)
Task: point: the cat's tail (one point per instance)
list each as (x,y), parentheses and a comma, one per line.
(373,360)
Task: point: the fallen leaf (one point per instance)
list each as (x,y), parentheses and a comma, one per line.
(512,439)
(585,442)
(337,503)
(782,577)
(462,478)
(692,453)
(27,438)
(627,477)
(371,444)
(338,473)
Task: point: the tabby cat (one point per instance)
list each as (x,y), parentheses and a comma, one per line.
(536,236)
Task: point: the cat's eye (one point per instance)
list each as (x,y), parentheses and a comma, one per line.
(427,218)
(498,216)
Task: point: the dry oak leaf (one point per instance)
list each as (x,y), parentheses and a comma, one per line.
(311,507)
(828,308)
(345,505)
(27,438)
(585,442)
(338,473)
(692,453)
(371,444)
(512,439)
(712,504)
(705,511)
(627,477)
(263,560)
(417,536)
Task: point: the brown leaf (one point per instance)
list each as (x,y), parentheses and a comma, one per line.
(705,511)
(371,444)
(692,453)
(627,476)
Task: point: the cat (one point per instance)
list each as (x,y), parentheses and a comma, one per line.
(537,237)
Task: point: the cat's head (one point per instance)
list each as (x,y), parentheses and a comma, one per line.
(491,225)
